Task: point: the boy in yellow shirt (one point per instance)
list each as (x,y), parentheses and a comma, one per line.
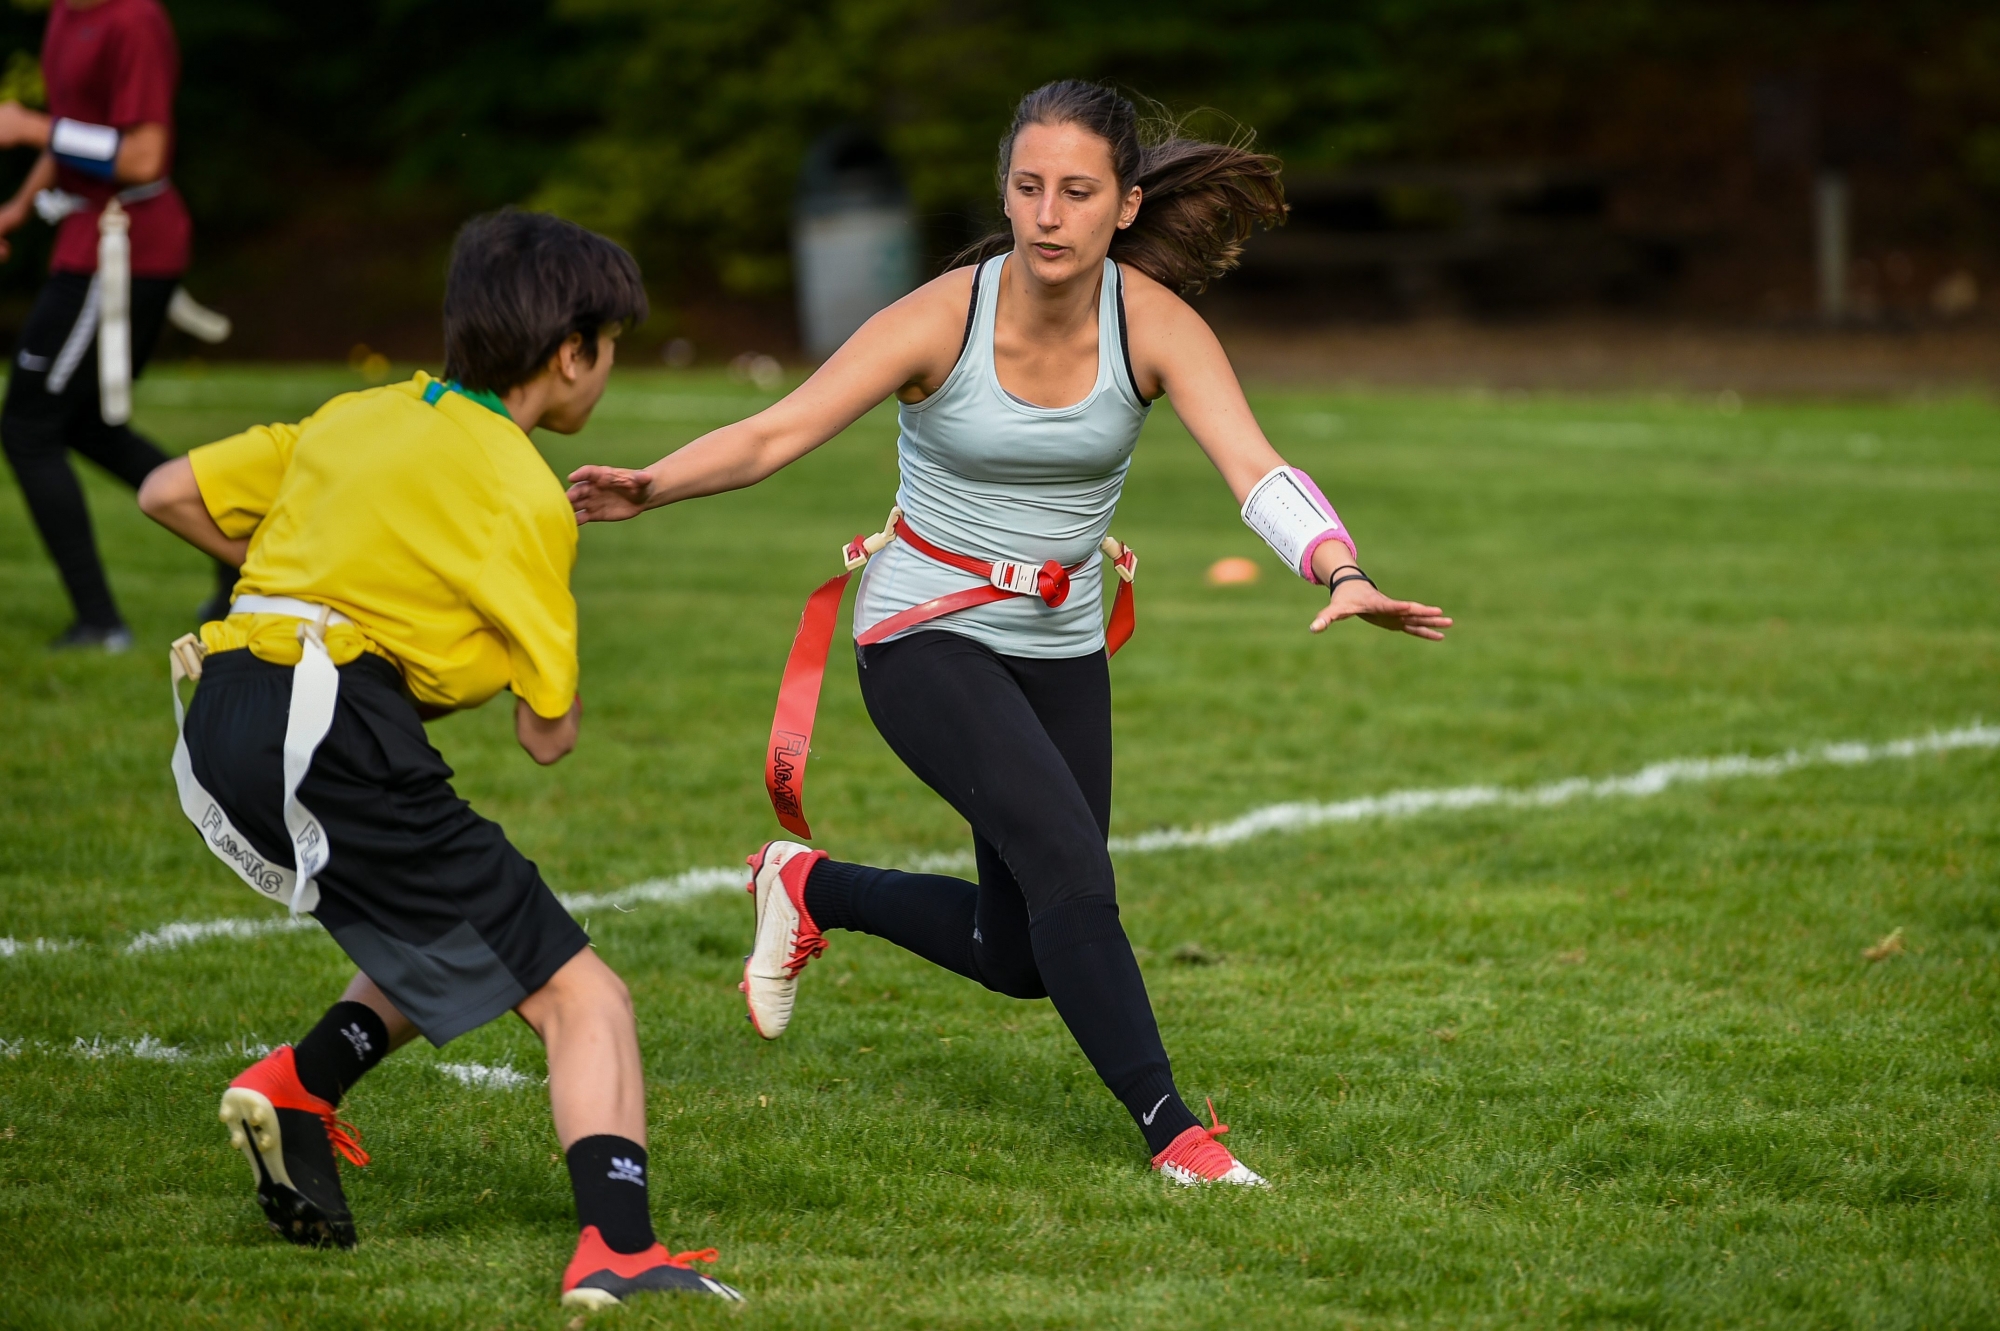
(406,552)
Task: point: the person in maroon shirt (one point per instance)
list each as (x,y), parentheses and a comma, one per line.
(111,67)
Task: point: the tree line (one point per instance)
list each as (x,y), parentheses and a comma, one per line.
(679,125)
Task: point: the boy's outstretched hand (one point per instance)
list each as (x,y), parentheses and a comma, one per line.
(609,494)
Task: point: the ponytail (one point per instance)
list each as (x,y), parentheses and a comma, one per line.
(1199,200)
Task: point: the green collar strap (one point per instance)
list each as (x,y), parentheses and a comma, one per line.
(437,388)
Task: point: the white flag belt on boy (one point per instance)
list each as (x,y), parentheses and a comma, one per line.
(315,690)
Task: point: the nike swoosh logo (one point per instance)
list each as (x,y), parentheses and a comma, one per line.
(1147,1117)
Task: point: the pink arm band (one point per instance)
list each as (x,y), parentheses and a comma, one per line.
(1337,532)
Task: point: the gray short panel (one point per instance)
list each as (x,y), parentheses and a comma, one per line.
(448,986)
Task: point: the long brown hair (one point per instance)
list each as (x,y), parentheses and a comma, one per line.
(1199,201)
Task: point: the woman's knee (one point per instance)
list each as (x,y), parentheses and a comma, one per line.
(1014,981)
(1009,970)
(1085,877)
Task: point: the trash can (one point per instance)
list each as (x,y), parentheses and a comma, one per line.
(854,242)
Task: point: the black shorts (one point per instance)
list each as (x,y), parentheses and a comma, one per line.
(428,898)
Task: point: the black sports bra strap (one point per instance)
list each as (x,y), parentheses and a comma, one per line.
(972,307)
(1125,338)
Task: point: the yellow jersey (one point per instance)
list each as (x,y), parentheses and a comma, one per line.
(428,519)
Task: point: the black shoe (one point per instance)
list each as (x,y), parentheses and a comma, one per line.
(112,638)
(289,1136)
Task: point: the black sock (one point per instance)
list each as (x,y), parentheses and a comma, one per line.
(1086,962)
(608,1176)
(929,914)
(349,1040)
(830,893)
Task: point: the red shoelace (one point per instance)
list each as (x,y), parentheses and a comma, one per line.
(807,943)
(681,1259)
(1198,1151)
(346,1139)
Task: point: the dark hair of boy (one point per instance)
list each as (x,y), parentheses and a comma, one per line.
(519,285)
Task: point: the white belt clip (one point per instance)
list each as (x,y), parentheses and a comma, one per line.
(857,551)
(1021,579)
(1122,556)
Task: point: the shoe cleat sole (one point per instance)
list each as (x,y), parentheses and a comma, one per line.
(253,1129)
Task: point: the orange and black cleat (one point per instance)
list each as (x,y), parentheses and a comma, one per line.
(289,1136)
(600,1278)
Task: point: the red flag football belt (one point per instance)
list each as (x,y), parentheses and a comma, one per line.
(805,668)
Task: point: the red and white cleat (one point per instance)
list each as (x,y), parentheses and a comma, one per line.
(1197,1157)
(600,1278)
(786,937)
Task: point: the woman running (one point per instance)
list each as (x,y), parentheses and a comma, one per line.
(1024,379)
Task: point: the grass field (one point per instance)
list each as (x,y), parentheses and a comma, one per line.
(1608,1062)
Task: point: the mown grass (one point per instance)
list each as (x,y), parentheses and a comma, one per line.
(1615,1063)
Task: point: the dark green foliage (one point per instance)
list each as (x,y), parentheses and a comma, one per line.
(715,103)
(360,134)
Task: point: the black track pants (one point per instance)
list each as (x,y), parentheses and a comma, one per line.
(39,428)
(1021,747)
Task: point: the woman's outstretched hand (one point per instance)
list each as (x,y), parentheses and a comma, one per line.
(608,494)
(1359,599)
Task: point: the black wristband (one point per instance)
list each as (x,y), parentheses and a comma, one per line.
(1356,576)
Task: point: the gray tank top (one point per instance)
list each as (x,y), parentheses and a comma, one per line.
(988,475)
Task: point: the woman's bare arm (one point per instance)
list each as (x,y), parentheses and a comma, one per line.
(908,348)
(170,497)
(1175,352)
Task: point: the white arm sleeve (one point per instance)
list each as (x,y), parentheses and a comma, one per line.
(1294,518)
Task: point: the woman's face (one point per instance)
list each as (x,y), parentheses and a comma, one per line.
(1063,200)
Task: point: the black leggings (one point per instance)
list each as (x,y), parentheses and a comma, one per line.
(1021,747)
(39,428)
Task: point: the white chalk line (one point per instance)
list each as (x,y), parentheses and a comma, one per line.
(481,1077)
(662,891)
(14,947)
(182,932)
(1271,820)
(150,1049)
(96,1048)
(1647,781)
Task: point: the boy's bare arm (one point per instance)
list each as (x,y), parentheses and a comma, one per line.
(546,740)
(170,497)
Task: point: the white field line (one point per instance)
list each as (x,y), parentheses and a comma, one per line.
(151,1049)
(182,932)
(97,1048)
(659,891)
(1648,780)
(481,1077)
(1271,820)
(14,947)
